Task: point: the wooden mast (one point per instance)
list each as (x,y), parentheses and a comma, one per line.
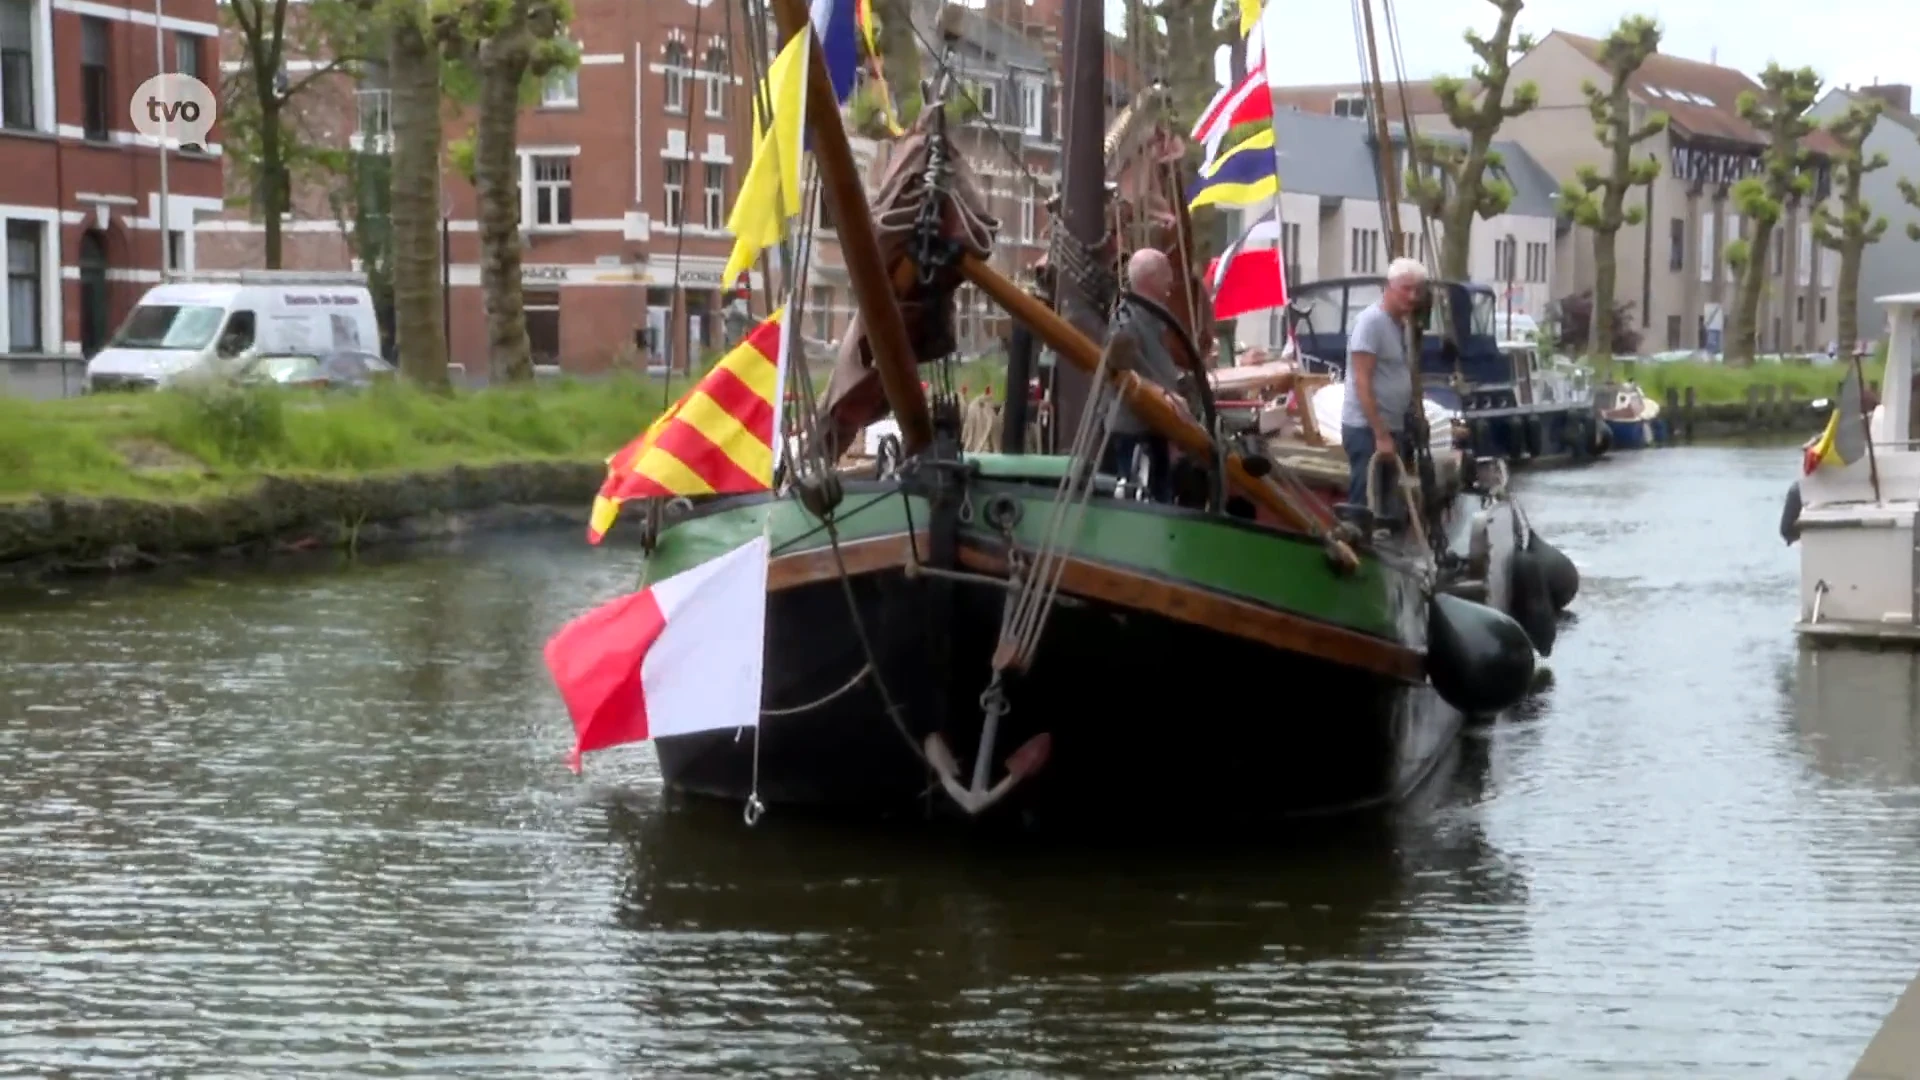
(1389,182)
(841,184)
(1084,193)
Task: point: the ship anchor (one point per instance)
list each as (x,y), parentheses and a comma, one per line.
(1023,763)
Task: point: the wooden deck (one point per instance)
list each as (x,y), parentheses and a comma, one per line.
(1894,1054)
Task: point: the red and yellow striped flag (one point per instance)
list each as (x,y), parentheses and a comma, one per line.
(718,439)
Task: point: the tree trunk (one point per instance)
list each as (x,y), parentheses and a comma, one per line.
(1600,328)
(1744,341)
(1456,241)
(1848,296)
(272,196)
(496,173)
(414,68)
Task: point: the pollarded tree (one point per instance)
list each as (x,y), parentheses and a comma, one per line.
(1855,226)
(1780,110)
(1451,182)
(509,46)
(413,72)
(1599,201)
(261,103)
(1910,192)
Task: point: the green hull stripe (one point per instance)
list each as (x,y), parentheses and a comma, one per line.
(1279,572)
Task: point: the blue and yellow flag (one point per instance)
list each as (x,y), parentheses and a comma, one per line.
(1245,175)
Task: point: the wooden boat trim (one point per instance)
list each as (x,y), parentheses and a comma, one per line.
(869,555)
(1126,588)
(1222,614)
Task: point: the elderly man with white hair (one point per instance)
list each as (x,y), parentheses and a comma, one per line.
(1140,343)
(1380,384)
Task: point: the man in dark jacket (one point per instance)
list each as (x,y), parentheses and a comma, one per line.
(1140,340)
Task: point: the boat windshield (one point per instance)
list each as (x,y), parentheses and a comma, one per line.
(1483,314)
(169,326)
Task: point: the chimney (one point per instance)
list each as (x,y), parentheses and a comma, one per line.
(1896,96)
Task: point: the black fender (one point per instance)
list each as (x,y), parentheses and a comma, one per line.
(1530,600)
(1563,578)
(1790,515)
(1479,660)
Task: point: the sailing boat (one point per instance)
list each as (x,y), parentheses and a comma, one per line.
(984,634)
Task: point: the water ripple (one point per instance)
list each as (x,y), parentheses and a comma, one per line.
(313,819)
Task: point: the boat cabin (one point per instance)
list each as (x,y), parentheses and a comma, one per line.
(1321,314)
(1859,547)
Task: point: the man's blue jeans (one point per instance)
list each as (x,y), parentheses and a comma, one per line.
(1358,443)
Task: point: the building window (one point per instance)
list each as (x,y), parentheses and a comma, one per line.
(1677,245)
(561,89)
(1365,256)
(1032,114)
(1823,311)
(1777,241)
(1537,262)
(1709,248)
(1290,250)
(186,54)
(1350,105)
(716,196)
(1029,220)
(1503,252)
(1776,333)
(1426,249)
(676,75)
(176,249)
(822,305)
(25,287)
(1701,327)
(1800,309)
(95,100)
(1673,331)
(1803,257)
(716,81)
(985,97)
(675,213)
(374,131)
(543,324)
(16,65)
(552,189)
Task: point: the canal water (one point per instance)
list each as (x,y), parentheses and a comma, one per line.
(313,818)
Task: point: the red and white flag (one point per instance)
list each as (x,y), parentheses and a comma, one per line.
(679,656)
(1247,279)
(1248,101)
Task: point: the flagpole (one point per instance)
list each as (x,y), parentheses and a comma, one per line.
(1866,429)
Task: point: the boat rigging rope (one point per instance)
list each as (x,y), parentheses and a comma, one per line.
(1027,606)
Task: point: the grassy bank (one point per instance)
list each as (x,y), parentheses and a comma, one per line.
(180,445)
(1718,384)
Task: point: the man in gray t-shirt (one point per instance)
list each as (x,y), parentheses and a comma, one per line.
(1379,381)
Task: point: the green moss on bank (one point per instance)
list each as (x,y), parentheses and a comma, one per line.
(1718,384)
(213,440)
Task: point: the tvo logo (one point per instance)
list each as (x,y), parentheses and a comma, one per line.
(174,108)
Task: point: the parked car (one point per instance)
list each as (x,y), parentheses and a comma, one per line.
(341,370)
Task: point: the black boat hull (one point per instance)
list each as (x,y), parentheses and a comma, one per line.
(1151,721)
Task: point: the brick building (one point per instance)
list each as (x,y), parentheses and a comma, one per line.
(80,190)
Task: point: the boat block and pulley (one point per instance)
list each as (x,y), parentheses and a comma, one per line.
(1479,660)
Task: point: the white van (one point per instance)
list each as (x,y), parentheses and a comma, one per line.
(206,322)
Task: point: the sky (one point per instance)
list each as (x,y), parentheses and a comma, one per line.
(1846,41)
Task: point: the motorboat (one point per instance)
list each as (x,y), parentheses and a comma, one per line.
(1853,511)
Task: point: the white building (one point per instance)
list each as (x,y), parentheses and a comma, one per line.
(1331,223)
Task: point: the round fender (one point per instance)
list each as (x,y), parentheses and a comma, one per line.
(1479,660)
(1530,600)
(1563,578)
(1790,515)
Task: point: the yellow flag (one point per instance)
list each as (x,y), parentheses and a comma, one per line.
(770,193)
(1249,16)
